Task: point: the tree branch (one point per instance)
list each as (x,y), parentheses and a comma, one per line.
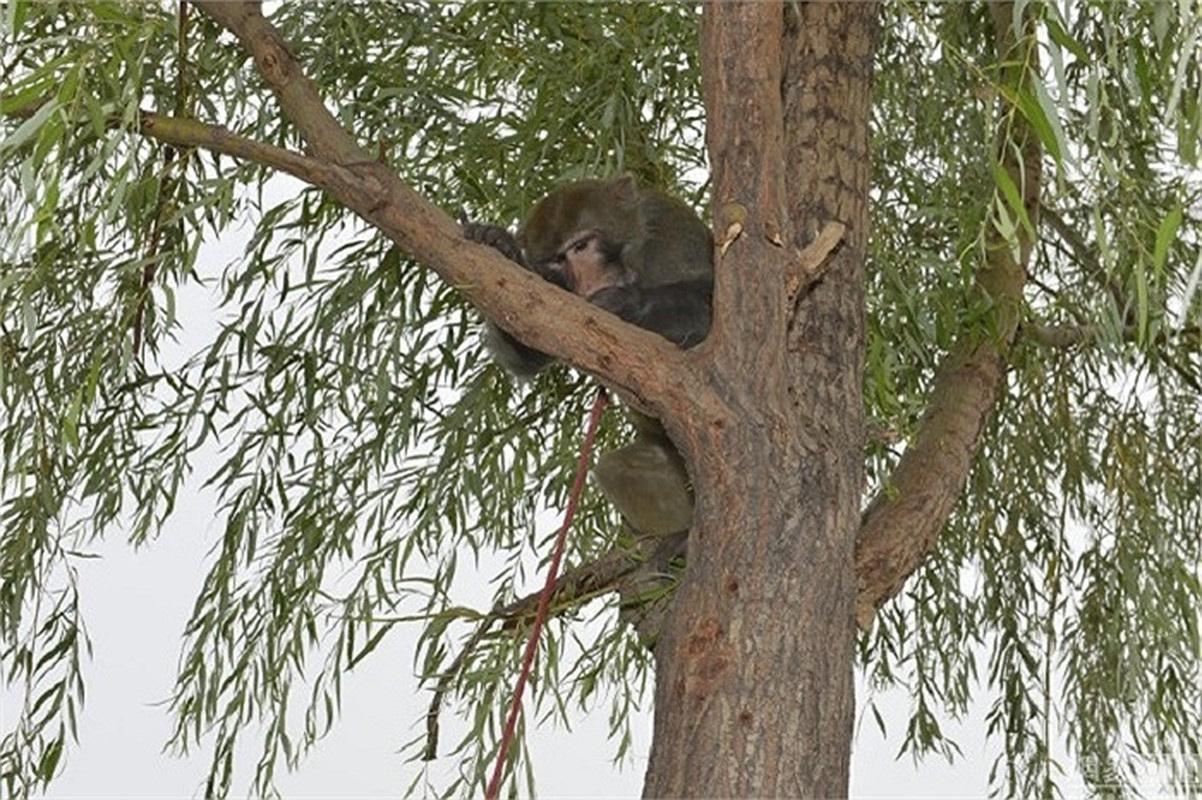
(1066,336)
(1086,257)
(218,139)
(900,526)
(1062,337)
(637,363)
(297,95)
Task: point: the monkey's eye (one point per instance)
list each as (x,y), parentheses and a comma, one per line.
(574,247)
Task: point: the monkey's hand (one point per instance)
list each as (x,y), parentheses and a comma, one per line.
(495,237)
(679,312)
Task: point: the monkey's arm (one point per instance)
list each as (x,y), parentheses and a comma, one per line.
(516,358)
(679,312)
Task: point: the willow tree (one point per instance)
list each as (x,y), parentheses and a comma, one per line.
(981,401)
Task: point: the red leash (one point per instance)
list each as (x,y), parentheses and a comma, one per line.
(544,600)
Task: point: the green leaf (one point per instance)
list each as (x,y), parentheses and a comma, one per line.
(1165,234)
(1032,110)
(29,128)
(1052,116)
(1060,36)
(1014,202)
(1142,310)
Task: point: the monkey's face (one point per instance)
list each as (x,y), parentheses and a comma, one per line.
(588,264)
(610,208)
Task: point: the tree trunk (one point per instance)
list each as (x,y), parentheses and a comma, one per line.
(754,667)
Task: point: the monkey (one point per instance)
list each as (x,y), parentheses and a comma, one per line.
(646,257)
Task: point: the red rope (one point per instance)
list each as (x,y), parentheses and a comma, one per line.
(544,599)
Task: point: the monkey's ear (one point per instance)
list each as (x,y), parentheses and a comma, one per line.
(625,190)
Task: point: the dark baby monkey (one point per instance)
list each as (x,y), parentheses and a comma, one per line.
(647,258)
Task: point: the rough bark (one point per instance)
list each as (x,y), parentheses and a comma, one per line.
(754,669)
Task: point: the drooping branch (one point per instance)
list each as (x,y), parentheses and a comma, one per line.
(902,522)
(623,569)
(1086,258)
